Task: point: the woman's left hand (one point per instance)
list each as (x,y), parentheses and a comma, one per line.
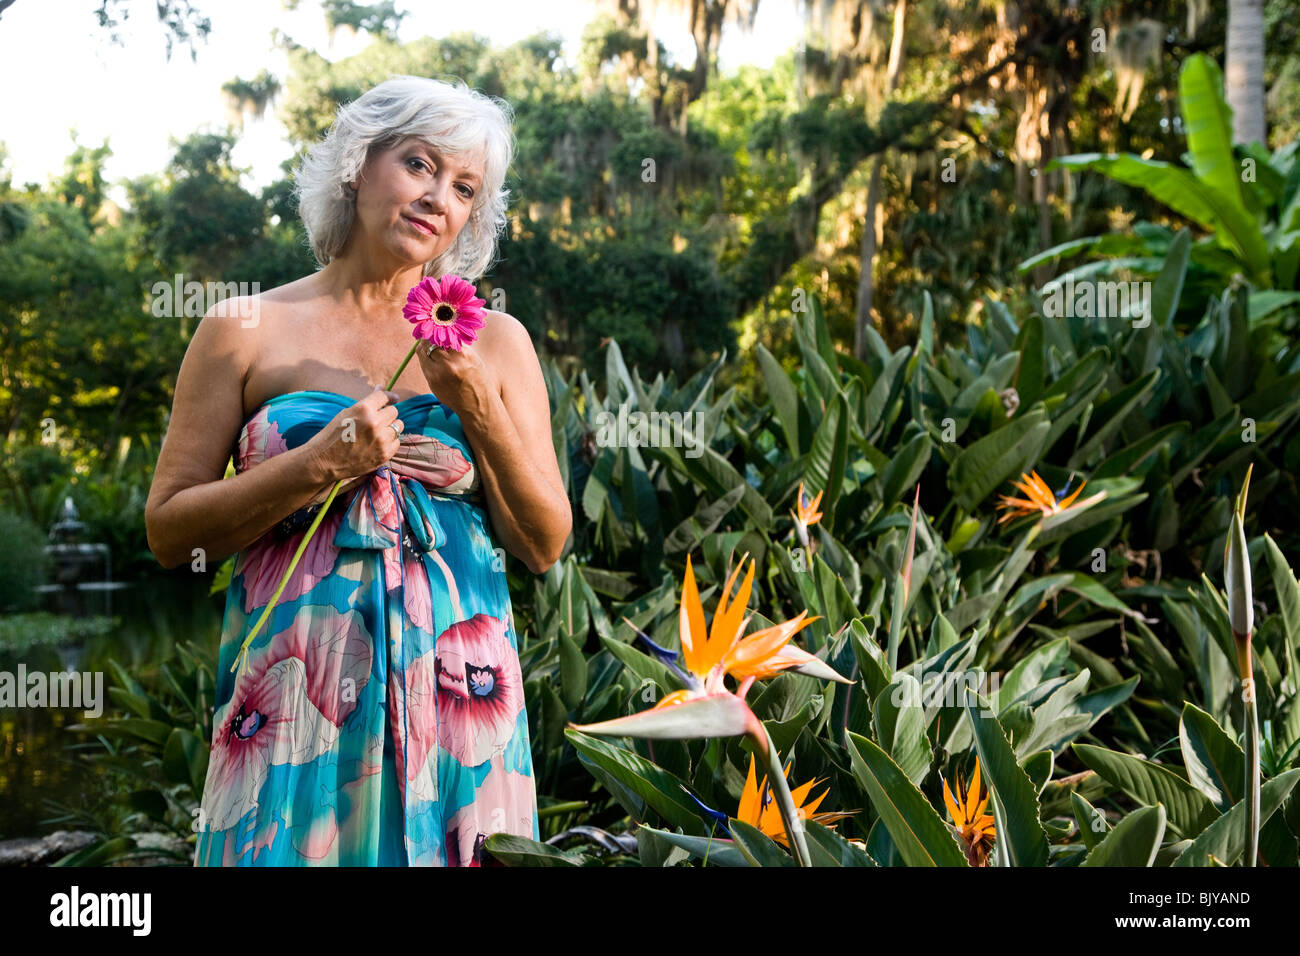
(461,380)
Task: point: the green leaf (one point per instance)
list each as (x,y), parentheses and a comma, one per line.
(97,854)
(1135,841)
(785,398)
(185,759)
(756,847)
(714,851)
(1288,602)
(1015,798)
(1216,765)
(1168,286)
(1208,122)
(1181,191)
(1029,376)
(1031,670)
(1112,413)
(521,851)
(899,719)
(689,533)
(642,665)
(828,848)
(880,399)
(1189,810)
(712,472)
(154,731)
(1224,840)
(573,672)
(904,469)
(658,788)
(988,462)
(1092,822)
(1038,767)
(1127,459)
(826,459)
(918,832)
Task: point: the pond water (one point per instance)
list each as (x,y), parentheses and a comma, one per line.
(35,768)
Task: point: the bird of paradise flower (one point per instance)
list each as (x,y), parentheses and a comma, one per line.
(1041,500)
(705,708)
(805,514)
(974,827)
(757,807)
(757,810)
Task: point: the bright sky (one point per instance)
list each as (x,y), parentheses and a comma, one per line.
(59,71)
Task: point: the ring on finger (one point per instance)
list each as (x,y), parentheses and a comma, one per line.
(393,426)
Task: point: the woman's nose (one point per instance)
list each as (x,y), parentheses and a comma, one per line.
(435,197)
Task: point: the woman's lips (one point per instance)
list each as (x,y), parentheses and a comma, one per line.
(420,226)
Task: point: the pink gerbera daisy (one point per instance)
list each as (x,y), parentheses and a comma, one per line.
(445,311)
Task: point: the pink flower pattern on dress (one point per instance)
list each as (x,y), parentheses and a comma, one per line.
(480,689)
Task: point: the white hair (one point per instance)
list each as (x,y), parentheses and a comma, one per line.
(453,119)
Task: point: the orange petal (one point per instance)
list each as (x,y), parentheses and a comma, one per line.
(951,804)
(750,653)
(749,808)
(972,795)
(726,627)
(676,697)
(1067,501)
(691,624)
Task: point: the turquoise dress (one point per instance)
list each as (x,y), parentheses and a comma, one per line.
(379,718)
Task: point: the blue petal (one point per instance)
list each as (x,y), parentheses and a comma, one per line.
(719,818)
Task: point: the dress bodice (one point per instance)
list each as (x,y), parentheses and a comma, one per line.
(434,459)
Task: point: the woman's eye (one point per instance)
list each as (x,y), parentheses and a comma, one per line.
(421,165)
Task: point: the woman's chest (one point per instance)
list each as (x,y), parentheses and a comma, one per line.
(297,353)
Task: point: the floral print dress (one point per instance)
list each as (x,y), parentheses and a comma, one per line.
(379,718)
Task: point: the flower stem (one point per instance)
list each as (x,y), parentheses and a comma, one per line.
(293,563)
(1252,751)
(1252,782)
(401,368)
(242,656)
(790,816)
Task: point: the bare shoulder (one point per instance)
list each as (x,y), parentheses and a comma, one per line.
(502,327)
(505,337)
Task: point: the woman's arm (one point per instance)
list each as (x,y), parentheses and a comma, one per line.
(190,504)
(510,431)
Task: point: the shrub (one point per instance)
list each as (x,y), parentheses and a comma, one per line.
(24,562)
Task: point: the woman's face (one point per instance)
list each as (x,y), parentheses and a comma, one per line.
(413,201)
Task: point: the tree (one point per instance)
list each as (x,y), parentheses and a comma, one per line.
(1244,70)
(181,20)
(249,96)
(870,225)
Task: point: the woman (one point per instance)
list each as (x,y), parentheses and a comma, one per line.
(379,717)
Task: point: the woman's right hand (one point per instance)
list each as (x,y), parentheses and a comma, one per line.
(360,438)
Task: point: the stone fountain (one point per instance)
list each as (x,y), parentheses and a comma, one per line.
(81,568)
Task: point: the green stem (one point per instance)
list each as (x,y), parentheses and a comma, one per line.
(401,368)
(785,803)
(311,530)
(1252,773)
(896,623)
(270,605)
